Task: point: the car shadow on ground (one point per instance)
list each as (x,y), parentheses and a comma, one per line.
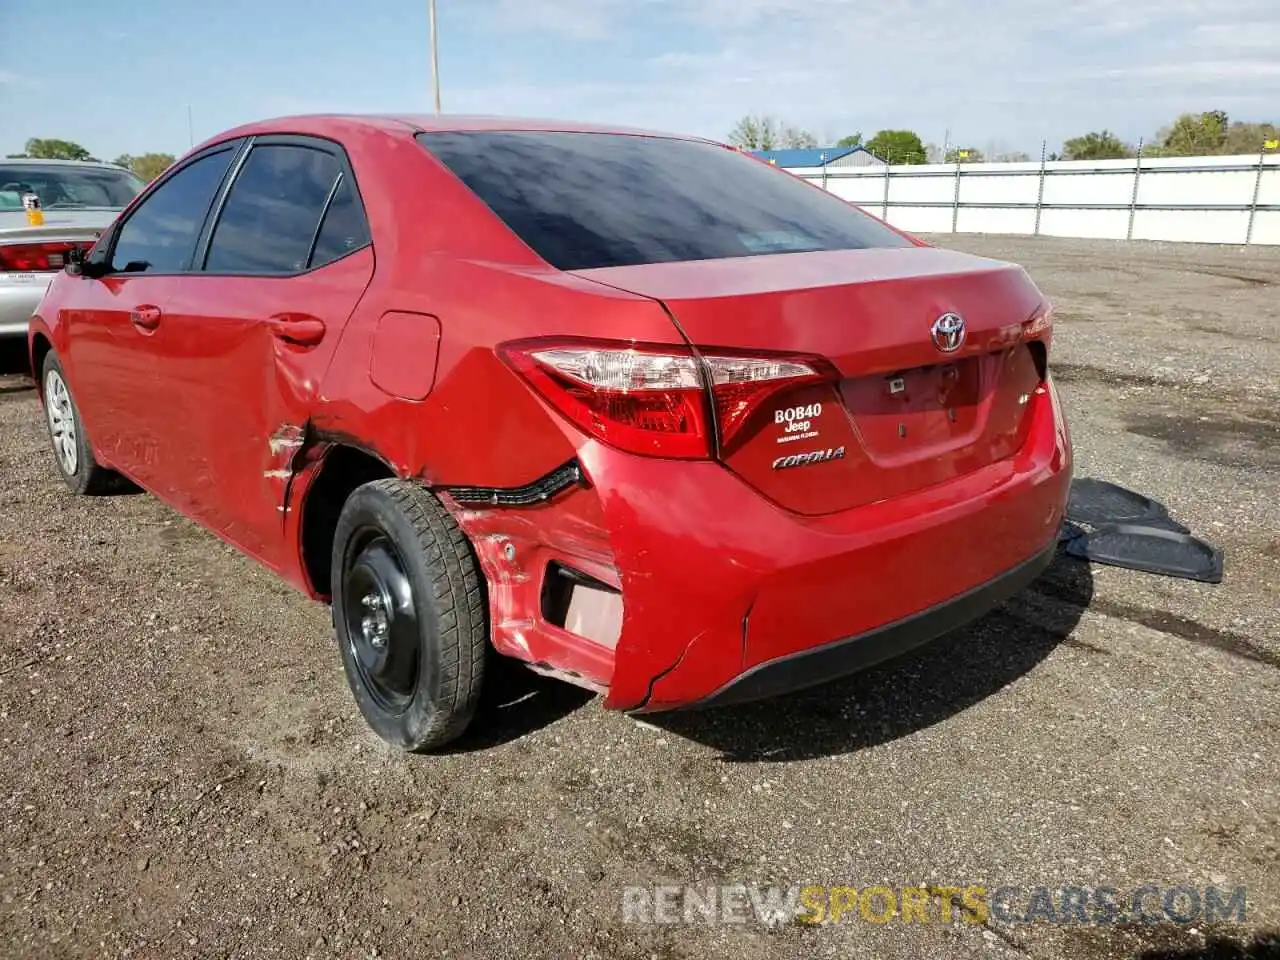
(14,365)
(903,695)
(515,702)
(1263,946)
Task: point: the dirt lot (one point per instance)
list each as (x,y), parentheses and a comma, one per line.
(185,774)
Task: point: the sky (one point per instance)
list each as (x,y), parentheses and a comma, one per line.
(119,77)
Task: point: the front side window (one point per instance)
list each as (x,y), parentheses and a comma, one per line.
(160,236)
(271,216)
(583,200)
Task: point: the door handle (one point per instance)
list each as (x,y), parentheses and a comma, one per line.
(297,328)
(145,317)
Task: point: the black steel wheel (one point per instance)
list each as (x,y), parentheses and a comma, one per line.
(381,620)
(409,613)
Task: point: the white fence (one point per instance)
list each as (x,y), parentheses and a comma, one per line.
(1189,199)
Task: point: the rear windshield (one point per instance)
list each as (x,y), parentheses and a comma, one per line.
(584,200)
(66,187)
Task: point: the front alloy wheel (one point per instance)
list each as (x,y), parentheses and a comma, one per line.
(62,421)
(75,460)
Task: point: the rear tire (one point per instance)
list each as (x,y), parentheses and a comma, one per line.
(71,451)
(410,614)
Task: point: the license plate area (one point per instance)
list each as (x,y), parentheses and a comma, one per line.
(906,411)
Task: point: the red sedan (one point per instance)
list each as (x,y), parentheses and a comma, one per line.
(640,410)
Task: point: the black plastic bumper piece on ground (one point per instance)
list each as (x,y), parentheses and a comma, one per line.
(1132,531)
(808,668)
(1150,550)
(1095,502)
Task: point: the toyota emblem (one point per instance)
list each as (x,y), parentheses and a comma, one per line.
(948,332)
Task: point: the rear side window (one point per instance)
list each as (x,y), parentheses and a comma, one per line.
(343,228)
(160,235)
(271,216)
(584,200)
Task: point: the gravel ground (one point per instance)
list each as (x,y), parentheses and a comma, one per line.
(185,773)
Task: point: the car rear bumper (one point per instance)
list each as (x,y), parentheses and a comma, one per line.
(719,583)
(815,665)
(727,596)
(18,301)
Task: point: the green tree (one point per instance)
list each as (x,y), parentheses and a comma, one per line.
(852,140)
(1195,135)
(761,132)
(756,132)
(1101,145)
(897,146)
(40,149)
(963,155)
(150,165)
(797,137)
(1248,137)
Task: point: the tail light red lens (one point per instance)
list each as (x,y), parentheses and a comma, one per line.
(741,384)
(652,399)
(1037,332)
(645,400)
(38,257)
(1039,325)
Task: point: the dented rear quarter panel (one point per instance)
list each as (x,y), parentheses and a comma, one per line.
(448,256)
(441,253)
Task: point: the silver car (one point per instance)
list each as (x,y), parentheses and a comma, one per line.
(78,200)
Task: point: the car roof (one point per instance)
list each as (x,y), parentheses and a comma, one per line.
(335,124)
(43,162)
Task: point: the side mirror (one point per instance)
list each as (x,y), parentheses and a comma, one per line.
(75,262)
(93,264)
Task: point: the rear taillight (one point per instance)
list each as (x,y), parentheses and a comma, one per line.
(1037,331)
(38,257)
(644,400)
(1039,325)
(652,399)
(740,385)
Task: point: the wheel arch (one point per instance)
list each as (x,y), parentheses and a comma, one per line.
(342,469)
(40,347)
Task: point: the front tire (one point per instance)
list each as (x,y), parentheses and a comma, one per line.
(71,451)
(410,615)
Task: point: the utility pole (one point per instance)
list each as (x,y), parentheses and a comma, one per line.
(435,57)
(191,130)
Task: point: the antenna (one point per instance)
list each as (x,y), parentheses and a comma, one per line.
(435,56)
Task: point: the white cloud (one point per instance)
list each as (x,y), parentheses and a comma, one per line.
(10,79)
(1186,73)
(1235,37)
(574,19)
(1014,69)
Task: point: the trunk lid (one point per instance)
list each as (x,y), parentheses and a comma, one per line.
(21,244)
(69,224)
(899,413)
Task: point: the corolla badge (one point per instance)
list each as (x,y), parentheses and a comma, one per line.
(948,332)
(804,459)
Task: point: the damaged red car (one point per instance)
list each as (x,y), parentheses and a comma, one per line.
(639,410)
